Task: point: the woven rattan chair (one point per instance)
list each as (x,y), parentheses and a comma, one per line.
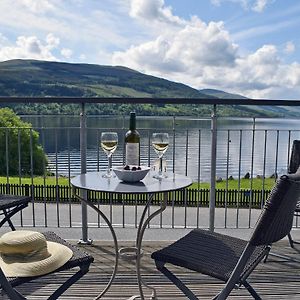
(10,205)
(232,259)
(296,214)
(293,167)
(79,260)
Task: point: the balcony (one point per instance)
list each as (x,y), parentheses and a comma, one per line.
(276,279)
(234,212)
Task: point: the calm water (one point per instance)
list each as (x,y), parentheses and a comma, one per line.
(189,150)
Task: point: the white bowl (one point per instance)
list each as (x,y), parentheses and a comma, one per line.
(131,176)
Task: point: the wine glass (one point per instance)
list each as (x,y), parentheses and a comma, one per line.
(109,143)
(160,143)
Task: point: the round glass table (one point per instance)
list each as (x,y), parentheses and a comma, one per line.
(93,181)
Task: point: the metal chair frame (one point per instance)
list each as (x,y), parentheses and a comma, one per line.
(291,240)
(200,249)
(10,205)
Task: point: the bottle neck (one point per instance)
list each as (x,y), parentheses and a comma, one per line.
(132,123)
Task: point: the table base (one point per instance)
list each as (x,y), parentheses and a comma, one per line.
(152,297)
(130,253)
(95,182)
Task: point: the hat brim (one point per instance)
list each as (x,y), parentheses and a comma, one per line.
(58,255)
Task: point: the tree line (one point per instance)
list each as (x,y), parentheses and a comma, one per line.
(20,150)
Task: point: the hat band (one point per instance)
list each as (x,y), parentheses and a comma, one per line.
(32,256)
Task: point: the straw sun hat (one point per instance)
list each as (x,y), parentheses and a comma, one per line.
(27,253)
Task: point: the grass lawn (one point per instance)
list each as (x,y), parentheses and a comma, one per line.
(49,180)
(257,183)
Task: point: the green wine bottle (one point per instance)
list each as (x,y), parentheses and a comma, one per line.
(132,143)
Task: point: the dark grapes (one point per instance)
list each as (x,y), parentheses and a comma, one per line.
(134,168)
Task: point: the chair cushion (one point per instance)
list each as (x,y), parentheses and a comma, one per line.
(209,253)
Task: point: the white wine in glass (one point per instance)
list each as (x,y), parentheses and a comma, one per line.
(160,143)
(109,143)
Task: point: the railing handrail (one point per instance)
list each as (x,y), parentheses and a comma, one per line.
(150,100)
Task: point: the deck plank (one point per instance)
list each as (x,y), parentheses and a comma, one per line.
(276,279)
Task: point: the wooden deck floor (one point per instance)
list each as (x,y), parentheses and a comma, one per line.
(277,279)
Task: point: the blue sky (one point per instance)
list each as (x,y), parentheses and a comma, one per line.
(249,47)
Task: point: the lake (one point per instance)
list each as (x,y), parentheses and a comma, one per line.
(189,150)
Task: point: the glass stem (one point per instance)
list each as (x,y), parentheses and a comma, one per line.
(109,164)
(160,166)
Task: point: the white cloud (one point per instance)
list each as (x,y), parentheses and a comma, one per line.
(37,6)
(258,75)
(290,47)
(82,57)
(243,3)
(153,11)
(67,53)
(3,39)
(52,41)
(255,5)
(30,47)
(260,5)
(78,24)
(203,55)
(197,44)
(26,21)
(187,47)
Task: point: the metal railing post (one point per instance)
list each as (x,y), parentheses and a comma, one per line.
(83,142)
(213,162)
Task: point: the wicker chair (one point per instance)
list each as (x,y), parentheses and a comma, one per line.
(79,259)
(10,205)
(293,167)
(231,259)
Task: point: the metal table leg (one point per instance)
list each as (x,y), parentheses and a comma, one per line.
(115,244)
(140,233)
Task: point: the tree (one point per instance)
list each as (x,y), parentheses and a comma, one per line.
(19,146)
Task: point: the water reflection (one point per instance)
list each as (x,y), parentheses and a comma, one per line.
(189,150)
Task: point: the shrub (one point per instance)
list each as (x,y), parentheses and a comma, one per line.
(17,138)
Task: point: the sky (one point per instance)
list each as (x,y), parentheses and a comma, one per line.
(250,47)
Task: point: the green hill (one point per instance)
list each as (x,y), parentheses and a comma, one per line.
(276,111)
(33,78)
(220,94)
(40,78)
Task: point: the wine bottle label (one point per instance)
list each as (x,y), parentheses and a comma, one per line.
(132,154)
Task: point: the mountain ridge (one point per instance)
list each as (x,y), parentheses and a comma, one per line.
(221,94)
(36,78)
